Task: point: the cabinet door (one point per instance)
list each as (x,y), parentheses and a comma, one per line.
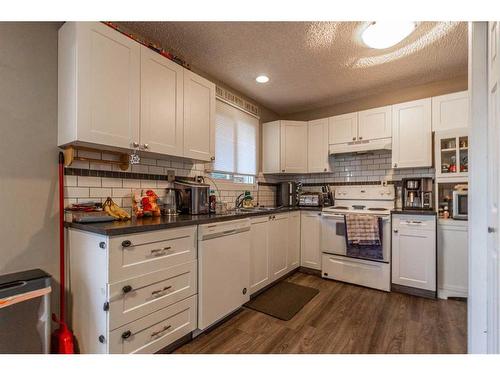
(343,128)
(278,245)
(293,147)
(450,111)
(310,253)
(452,261)
(293,240)
(414,255)
(375,123)
(108,86)
(199,117)
(412,134)
(317,146)
(271,147)
(162,99)
(259,254)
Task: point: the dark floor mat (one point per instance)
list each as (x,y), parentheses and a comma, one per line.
(283,300)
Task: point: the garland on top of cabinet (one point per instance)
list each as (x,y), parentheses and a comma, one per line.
(153,46)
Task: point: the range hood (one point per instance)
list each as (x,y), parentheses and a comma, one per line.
(360,146)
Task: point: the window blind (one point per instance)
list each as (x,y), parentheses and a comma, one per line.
(236,140)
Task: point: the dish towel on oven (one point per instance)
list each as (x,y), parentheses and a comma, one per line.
(364,236)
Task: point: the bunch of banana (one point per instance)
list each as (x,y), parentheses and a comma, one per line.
(112,209)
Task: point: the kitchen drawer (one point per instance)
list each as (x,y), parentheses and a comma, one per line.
(138,254)
(132,299)
(155,331)
(416,222)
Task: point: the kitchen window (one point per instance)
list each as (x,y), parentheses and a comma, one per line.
(236,144)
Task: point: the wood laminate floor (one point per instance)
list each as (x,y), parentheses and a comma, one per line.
(344,318)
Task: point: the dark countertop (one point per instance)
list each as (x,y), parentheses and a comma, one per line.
(116,228)
(413,212)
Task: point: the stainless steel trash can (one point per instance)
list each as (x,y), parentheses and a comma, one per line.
(25,312)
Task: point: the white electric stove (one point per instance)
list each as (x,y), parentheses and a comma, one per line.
(370,268)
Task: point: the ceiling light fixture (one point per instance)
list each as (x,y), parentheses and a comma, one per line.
(262,79)
(385,34)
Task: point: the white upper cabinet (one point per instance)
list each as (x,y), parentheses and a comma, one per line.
(271,149)
(450,111)
(293,146)
(99,85)
(199,117)
(412,134)
(375,123)
(317,146)
(162,99)
(113,91)
(343,128)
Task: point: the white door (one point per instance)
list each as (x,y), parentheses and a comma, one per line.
(199,117)
(343,128)
(293,146)
(162,100)
(271,153)
(375,123)
(293,240)
(260,267)
(310,235)
(278,245)
(108,85)
(493,290)
(317,146)
(413,255)
(412,134)
(450,111)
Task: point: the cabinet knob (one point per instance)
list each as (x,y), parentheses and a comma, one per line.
(395,165)
(324,170)
(146,146)
(126,289)
(396,231)
(126,335)
(102,245)
(282,170)
(353,138)
(212,158)
(135,144)
(126,243)
(491,230)
(360,138)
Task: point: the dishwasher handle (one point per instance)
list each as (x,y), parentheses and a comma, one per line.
(224,233)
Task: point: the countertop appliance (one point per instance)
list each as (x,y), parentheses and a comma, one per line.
(192,197)
(223,277)
(363,268)
(460,205)
(287,194)
(418,193)
(310,199)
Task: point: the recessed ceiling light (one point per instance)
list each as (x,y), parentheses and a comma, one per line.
(385,34)
(262,79)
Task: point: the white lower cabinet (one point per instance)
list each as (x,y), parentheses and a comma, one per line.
(310,251)
(274,247)
(278,245)
(414,251)
(294,240)
(260,267)
(452,258)
(133,293)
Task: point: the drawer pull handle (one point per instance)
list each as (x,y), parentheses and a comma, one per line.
(166,328)
(159,252)
(157,293)
(126,335)
(127,289)
(126,243)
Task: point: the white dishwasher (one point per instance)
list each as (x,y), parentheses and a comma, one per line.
(223,269)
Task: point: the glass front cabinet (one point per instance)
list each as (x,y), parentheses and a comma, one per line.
(452,154)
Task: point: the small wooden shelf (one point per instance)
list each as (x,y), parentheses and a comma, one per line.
(70,156)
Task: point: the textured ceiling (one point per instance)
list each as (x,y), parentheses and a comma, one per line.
(311,64)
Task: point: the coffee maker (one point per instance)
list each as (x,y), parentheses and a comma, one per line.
(418,193)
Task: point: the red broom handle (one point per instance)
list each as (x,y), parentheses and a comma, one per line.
(62,290)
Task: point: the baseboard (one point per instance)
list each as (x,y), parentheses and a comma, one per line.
(309,271)
(451,293)
(176,344)
(414,291)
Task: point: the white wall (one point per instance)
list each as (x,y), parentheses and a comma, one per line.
(28,152)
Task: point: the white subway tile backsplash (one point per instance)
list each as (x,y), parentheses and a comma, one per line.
(89,181)
(100,192)
(112,182)
(121,193)
(76,192)
(129,183)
